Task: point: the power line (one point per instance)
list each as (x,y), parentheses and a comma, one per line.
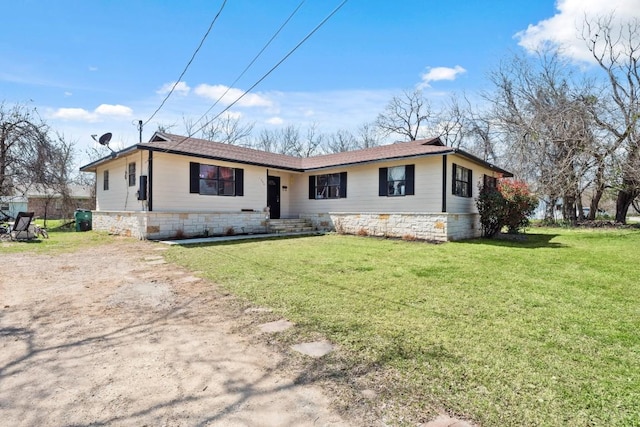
(255,58)
(267,73)
(215,18)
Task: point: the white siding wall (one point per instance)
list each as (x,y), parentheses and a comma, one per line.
(120,196)
(171,187)
(457,204)
(362,190)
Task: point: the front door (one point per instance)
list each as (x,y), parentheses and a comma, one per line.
(273,196)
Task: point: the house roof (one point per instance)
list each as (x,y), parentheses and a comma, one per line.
(176,144)
(75,191)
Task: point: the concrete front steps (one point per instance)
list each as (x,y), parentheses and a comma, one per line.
(290,225)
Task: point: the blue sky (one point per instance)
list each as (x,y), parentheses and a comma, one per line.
(91,67)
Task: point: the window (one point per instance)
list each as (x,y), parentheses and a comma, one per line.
(132,174)
(489,182)
(105,180)
(461,181)
(328,186)
(215,180)
(397,181)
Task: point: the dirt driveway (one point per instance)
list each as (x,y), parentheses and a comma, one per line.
(113,336)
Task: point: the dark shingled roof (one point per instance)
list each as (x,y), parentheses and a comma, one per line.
(176,144)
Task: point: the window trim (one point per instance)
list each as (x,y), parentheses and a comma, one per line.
(409,181)
(458,185)
(341,187)
(131,173)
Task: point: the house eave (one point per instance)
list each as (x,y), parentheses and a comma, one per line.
(478,160)
(93,166)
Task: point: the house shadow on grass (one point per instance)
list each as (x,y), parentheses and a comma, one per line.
(522,241)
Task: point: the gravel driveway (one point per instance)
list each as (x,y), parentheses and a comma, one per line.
(114,336)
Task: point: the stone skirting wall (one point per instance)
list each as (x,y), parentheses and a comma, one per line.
(440,227)
(167,225)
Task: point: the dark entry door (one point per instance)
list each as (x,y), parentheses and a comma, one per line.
(273,196)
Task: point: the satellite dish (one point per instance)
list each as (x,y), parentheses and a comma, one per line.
(104,139)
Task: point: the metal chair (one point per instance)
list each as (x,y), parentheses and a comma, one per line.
(20,229)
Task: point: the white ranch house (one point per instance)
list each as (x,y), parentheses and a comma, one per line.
(174,186)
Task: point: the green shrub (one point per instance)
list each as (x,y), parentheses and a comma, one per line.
(491,207)
(520,204)
(510,205)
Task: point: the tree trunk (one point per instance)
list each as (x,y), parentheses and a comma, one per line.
(595,202)
(623,202)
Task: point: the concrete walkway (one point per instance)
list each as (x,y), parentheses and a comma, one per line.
(219,239)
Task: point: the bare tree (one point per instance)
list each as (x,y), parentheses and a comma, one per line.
(368,135)
(25,148)
(452,123)
(290,142)
(340,141)
(267,141)
(313,141)
(544,115)
(228,130)
(406,115)
(617,52)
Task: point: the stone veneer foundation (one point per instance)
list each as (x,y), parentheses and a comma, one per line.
(439,227)
(167,225)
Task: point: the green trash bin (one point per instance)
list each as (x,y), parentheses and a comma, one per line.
(83,220)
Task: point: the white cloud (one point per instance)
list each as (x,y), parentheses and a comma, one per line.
(76,114)
(67,93)
(92,68)
(181,88)
(564,29)
(435,74)
(113,110)
(228,95)
(101,112)
(274,121)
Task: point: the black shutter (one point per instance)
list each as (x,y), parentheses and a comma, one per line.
(382,182)
(194,177)
(239,182)
(343,185)
(470,184)
(409,180)
(453,180)
(312,187)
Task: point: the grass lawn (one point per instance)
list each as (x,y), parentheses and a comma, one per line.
(538,332)
(61,238)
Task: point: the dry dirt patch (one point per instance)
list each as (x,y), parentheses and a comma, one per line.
(113,336)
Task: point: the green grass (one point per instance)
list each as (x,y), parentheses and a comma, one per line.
(61,239)
(540,332)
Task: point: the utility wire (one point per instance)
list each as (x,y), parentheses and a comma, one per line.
(267,73)
(255,58)
(215,18)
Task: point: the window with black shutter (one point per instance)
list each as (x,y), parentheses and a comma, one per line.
(213,180)
(328,186)
(396,181)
